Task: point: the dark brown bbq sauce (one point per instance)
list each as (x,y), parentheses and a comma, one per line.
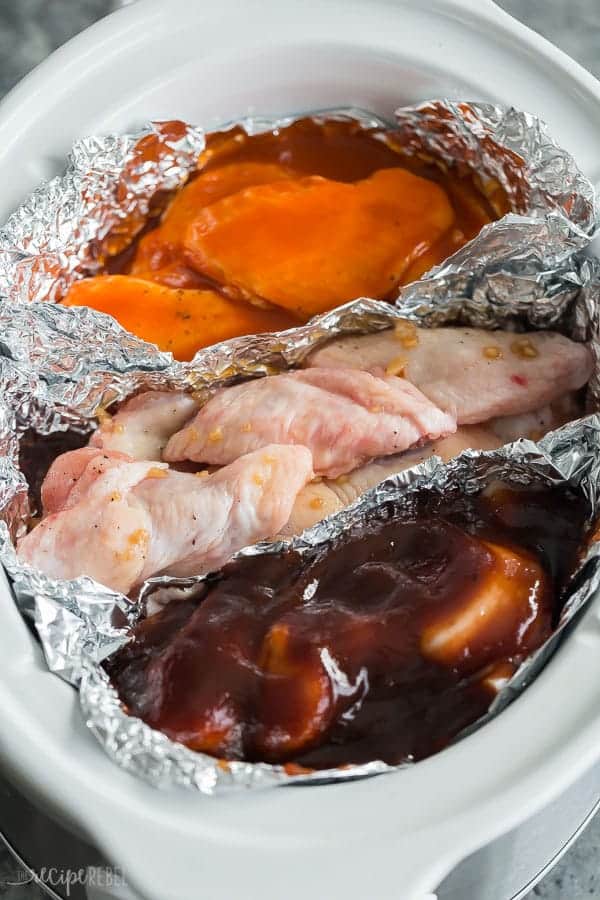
(325,660)
(341,150)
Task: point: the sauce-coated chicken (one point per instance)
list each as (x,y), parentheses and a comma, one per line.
(309,244)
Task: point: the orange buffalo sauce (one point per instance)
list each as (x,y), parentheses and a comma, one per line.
(309,244)
(279,226)
(176,320)
(160,252)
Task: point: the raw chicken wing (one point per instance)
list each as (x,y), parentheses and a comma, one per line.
(144,424)
(344,417)
(474,374)
(121,521)
(323,498)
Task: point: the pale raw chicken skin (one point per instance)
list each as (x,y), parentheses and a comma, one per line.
(71,474)
(309,244)
(323,498)
(205,520)
(101,530)
(344,417)
(536,424)
(67,471)
(133,519)
(471,373)
(143,425)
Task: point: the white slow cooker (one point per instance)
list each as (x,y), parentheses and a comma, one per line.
(394,837)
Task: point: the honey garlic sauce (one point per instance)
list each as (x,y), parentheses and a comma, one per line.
(384,646)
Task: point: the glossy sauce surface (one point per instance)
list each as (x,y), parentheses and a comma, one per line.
(385,646)
(274,228)
(339,150)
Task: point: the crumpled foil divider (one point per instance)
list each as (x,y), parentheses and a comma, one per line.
(59,365)
(71,224)
(507,145)
(554,208)
(14,491)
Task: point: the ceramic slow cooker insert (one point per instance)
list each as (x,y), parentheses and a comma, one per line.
(394,836)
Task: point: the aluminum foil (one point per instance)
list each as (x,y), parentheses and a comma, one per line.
(70,226)
(14,491)
(506,145)
(553,206)
(59,366)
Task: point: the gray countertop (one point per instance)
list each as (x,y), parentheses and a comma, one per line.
(30,29)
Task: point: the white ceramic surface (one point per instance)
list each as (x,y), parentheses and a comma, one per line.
(389,837)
